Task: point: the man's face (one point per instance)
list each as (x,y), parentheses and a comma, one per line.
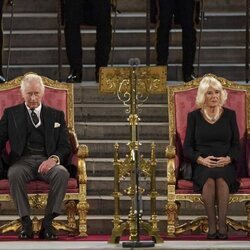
(32,94)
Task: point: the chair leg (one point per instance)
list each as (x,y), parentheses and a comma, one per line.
(82,208)
(12,226)
(71,213)
(248,214)
(171,209)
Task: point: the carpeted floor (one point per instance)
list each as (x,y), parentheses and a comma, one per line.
(186,237)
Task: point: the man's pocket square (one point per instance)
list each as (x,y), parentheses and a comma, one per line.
(57,125)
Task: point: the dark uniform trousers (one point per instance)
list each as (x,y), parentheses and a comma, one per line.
(26,170)
(1,36)
(74,13)
(185,9)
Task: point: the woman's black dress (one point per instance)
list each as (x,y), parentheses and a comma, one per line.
(218,139)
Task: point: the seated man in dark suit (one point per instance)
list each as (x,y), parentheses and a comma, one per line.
(40,146)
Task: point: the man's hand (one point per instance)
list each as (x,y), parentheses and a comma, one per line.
(46,165)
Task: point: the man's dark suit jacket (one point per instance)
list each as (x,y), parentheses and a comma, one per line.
(13,127)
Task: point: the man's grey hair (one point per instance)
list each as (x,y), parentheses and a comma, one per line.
(29,78)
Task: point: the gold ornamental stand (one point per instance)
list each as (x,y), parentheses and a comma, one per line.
(133,85)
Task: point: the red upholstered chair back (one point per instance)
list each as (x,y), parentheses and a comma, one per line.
(58,96)
(184,101)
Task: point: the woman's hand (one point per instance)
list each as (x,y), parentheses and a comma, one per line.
(223,161)
(212,162)
(209,161)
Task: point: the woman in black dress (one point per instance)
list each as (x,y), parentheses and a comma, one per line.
(212,145)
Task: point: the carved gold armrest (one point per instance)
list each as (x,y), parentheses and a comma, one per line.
(73,140)
(171,164)
(82,152)
(248,133)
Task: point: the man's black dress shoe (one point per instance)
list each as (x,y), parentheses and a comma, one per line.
(47,234)
(212,236)
(25,235)
(27,232)
(2,79)
(188,78)
(74,76)
(222,236)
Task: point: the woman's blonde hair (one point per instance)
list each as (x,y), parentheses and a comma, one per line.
(205,83)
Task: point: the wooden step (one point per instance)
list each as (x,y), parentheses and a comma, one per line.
(125,20)
(137,38)
(121,130)
(174,71)
(105,148)
(90,95)
(117,113)
(103,167)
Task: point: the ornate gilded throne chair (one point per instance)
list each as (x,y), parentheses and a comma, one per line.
(59,96)
(181,100)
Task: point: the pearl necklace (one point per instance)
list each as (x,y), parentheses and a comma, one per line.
(214,118)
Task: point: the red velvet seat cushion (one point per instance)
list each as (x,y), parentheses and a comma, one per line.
(244,184)
(186,187)
(39,187)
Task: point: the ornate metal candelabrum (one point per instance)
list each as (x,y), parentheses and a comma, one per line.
(133,85)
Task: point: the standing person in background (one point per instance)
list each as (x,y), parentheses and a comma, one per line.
(90,12)
(183,12)
(2,79)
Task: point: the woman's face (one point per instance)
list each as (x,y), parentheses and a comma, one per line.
(212,97)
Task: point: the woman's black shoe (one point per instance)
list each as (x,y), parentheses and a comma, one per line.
(212,236)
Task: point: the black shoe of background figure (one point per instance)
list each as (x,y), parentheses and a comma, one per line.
(46,232)
(74,76)
(188,78)
(97,76)
(27,231)
(2,79)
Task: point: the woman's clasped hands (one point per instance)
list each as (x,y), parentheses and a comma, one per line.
(214,162)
